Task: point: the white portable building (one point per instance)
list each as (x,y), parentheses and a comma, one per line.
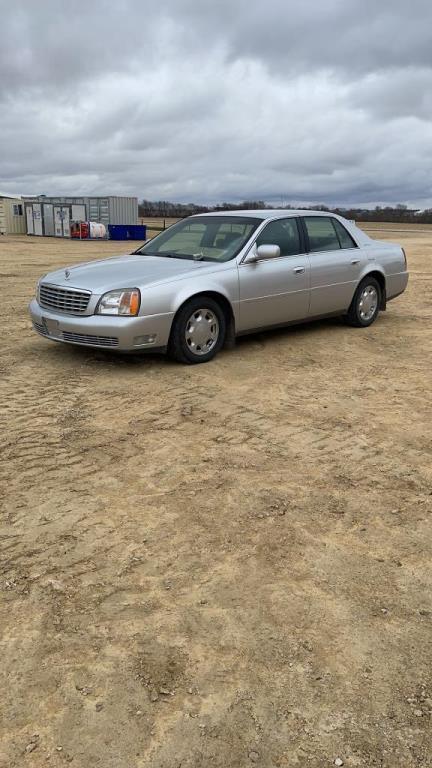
(12,219)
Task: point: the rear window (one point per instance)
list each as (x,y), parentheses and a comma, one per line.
(345,238)
(327,234)
(322,234)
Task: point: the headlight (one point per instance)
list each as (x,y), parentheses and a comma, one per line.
(122,302)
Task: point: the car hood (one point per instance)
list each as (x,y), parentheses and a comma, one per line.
(127,271)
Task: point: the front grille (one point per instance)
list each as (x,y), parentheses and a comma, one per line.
(83,338)
(70,300)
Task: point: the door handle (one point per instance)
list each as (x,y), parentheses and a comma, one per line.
(355,261)
(298,270)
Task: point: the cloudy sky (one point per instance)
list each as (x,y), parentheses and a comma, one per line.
(191,100)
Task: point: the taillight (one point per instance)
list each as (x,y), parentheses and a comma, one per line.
(405,258)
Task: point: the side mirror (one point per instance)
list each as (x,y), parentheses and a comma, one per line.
(268,252)
(262,253)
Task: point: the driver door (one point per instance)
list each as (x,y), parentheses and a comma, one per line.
(275,291)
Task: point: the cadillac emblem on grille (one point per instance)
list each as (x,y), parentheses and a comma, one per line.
(67,274)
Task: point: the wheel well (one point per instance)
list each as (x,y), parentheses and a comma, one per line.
(226,308)
(379,277)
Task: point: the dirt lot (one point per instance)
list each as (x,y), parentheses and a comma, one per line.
(221,565)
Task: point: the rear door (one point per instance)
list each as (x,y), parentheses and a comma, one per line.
(336,263)
(37,218)
(48,216)
(66,221)
(62,221)
(275,291)
(58,221)
(29,218)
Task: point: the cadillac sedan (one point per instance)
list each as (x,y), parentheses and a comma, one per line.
(212,277)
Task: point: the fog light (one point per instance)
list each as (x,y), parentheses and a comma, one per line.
(139,341)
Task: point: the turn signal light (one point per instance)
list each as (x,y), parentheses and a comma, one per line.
(129,303)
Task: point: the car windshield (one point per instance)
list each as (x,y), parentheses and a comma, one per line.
(206,238)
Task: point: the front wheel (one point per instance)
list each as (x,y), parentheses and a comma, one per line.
(365,305)
(198,331)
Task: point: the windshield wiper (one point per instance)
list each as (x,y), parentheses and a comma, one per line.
(174,255)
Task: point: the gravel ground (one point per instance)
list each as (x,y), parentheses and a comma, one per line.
(221,565)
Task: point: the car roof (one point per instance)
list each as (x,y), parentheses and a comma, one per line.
(269,214)
(360,237)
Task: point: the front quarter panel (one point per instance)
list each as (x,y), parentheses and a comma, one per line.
(167,298)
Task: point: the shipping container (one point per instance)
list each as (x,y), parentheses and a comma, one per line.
(52,215)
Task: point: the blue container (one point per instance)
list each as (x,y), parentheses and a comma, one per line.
(127,231)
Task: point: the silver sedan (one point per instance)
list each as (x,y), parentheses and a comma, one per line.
(212,277)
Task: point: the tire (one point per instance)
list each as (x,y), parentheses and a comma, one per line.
(198,331)
(366,303)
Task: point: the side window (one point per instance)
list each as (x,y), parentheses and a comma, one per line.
(345,238)
(322,234)
(284,233)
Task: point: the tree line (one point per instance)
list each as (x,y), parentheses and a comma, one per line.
(399,213)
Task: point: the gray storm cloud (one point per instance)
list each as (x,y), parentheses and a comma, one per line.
(324,101)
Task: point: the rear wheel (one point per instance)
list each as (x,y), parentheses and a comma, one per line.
(198,331)
(365,305)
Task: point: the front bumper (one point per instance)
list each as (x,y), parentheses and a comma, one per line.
(125,334)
